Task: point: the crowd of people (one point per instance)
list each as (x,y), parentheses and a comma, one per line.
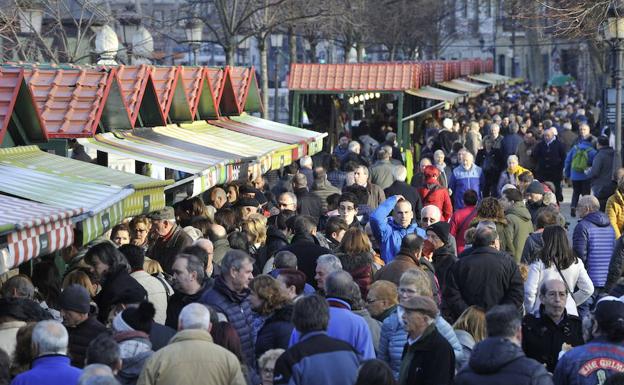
(350,268)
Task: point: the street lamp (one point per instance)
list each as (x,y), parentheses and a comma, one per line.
(194,31)
(277,40)
(614,33)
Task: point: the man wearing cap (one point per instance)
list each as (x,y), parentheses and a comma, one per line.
(534,194)
(171,238)
(247,206)
(82,327)
(603,355)
(428,358)
(443,252)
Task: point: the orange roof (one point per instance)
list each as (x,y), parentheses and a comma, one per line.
(353,77)
(193,80)
(133,80)
(216,77)
(165,80)
(70,101)
(10,82)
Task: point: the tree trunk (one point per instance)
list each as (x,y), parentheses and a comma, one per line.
(292,45)
(347,49)
(230,58)
(313,45)
(598,72)
(264,75)
(391,52)
(359,50)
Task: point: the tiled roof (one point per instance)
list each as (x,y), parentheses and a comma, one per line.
(133,80)
(193,79)
(70,101)
(215,78)
(353,77)
(165,80)
(10,82)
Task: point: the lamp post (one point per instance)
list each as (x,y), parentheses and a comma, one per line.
(194,30)
(277,39)
(614,33)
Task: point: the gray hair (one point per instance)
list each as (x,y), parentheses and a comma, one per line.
(234,259)
(94,373)
(330,261)
(285,260)
(194,316)
(50,337)
(353,145)
(514,157)
(305,161)
(590,202)
(339,284)
(436,152)
(291,195)
(399,172)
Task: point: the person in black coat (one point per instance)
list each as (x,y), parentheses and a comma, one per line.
(499,359)
(111,269)
(497,274)
(443,253)
(307,203)
(492,162)
(428,358)
(305,245)
(82,327)
(550,157)
(544,332)
(399,187)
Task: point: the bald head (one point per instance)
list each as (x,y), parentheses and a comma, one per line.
(216,232)
(218,197)
(300,181)
(429,215)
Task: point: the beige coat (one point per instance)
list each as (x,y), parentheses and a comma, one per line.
(156,294)
(192,358)
(8,333)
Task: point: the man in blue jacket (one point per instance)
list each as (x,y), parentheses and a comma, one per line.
(581,181)
(390,231)
(343,323)
(317,358)
(466,176)
(51,365)
(603,356)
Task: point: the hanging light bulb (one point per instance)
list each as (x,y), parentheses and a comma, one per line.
(366,96)
(377,95)
(351,101)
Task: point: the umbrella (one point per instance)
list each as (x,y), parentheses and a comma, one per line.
(560,80)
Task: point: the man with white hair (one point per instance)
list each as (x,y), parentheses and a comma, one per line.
(51,365)
(497,139)
(325,265)
(466,176)
(593,240)
(550,157)
(354,156)
(445,139)
(305,168)
(399,187)
(192,355)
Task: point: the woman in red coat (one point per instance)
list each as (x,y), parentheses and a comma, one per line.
(434,194)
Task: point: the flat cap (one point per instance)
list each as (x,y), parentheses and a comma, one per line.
(165,214)
(422,304)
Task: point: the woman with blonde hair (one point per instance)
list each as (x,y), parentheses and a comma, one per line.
(470,329)
(356,256)
(273,310)
(255,227)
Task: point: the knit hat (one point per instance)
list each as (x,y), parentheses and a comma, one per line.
(422,304)
(535,188)
(442,230)
(75,298)
(135,318)
(431,174)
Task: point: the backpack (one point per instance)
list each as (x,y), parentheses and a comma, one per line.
(580,160)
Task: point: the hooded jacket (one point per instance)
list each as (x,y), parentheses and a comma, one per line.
(615,212)
(593,241)
(601,173)
(520,225)
(497,360)
(388,233)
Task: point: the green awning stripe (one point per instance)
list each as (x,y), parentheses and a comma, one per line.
(143,202)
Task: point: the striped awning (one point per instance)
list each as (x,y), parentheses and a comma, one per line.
(207,166)
(101,204)
(434,93)
(473,89)
(491,78)
(148,195)
(311,141)
(29,229)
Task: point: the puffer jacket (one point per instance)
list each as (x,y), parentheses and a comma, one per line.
(615,212)
(589,364)
(394,337)
(520,226)
(496,361)
(593,241)
(388,233)
(462,180)
(276,330)
(237,310)
(136,349)
(574,175)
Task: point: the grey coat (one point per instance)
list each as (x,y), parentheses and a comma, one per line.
(601,173)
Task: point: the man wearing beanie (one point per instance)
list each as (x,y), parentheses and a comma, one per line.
(443,252)
(131,331)
(82,327)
